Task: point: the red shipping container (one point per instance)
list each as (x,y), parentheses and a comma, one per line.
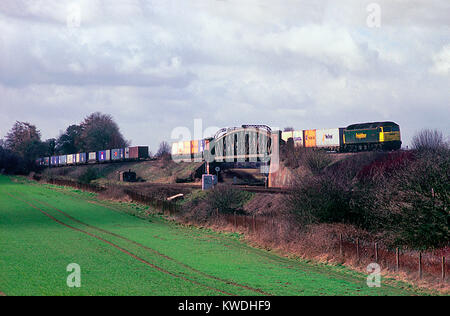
(139,152)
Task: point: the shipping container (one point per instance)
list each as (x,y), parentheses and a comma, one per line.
(187,148)
(127,153)
(63,160)
(117,154)
(81,158)
(201,146)
(180,148)
(328,138)
(54,161)
(70,160)
(93,157)
(104,155)
(286,135)
(309,137)
(298,138)
(175,149)
(47,161)
(138,152)
(194,146)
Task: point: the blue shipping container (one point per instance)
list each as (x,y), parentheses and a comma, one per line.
(81,158)
(117,154)
(55,160)
(103,155)
(63,160)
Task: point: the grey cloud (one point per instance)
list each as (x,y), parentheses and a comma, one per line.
(156,65)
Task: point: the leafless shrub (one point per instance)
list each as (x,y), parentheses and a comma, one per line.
(222,199)
(321,198)
(422,201)
(429,140)
(114,192)
(317,160)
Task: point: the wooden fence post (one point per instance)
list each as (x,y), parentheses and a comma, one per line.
(397,259)
(341,253)
(376,252)
(420,265)
(357,249)
(443,268)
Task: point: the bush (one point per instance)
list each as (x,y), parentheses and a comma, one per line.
(223,199)
(320,199)
(88,175)
(402,196)
(423,201)
(227,199)
(315,160)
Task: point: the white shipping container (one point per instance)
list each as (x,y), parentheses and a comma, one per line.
(174,149)
(70,159)
(92,156)
(327,137)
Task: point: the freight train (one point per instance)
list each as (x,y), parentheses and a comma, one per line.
(102,156)
(355,137)
(254,141)
(251,143)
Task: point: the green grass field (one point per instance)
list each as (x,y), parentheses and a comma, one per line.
(124,249)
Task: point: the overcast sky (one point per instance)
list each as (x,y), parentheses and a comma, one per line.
(158,65)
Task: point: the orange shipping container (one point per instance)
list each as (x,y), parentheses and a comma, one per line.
(310,138)
(194,146)
(187,148)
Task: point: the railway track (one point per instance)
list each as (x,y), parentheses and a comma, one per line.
(248,188)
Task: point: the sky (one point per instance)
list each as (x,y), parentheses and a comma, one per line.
(156,66)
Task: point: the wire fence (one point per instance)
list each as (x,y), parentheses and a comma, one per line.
(344,248)
(166,207)
(78,185)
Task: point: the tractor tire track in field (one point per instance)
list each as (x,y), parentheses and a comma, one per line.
(154,251)
(120,248)
(281,261)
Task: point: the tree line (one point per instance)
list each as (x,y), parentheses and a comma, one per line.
(23,143)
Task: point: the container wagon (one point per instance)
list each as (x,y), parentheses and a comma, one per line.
(104,155)
(62,160)
(117,154)
(138,152)
(80,158)
(92,158)
(330,138)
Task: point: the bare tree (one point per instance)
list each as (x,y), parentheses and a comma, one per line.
(164,151)
(429,140)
